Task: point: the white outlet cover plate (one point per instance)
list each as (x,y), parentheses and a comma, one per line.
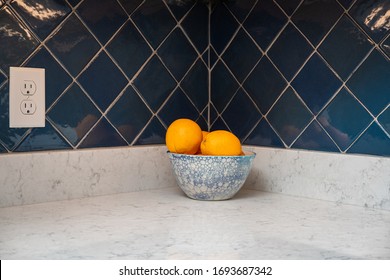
(20,76)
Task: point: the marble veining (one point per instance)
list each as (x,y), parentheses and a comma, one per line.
(165,224)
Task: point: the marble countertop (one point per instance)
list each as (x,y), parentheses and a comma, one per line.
(164,224)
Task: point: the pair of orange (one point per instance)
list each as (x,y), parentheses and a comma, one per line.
(185,136)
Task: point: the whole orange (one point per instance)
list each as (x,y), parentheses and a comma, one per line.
(183,136)
(221,143)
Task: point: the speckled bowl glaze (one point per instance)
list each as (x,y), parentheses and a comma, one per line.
(211,177)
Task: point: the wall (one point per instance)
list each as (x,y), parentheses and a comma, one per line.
(311,75)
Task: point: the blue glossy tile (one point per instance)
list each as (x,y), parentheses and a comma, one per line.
(240,9)
(219,124)
(213,114)
(222,28)
(103,135)
(177,54)
(83,114)
(315,138)
(384,120)
(10,137)
(74,2)
(264,84)
(103,81)
(346,3)
(56,79)
(373,142)
(290,51)
(153,134)
(154,20)
(289,6)
(42,15)
(177,106)
(179,10)
(17,42)
(344,119)
(263,135)
(129,114)
(130,5)
(195,85)
(196,25)
(3,78)
(202,122)
(223,86)
(155,83)
(372,16)
(73,45)
(241,55)
(316,83)
(241,115)
(345,47)
(289,116)
(2,148)
(42,139)
(129,49)
(103,24)
(264,22)
(386,46)
(213,57)
(312,19)
(371,83)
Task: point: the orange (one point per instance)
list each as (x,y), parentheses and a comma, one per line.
(221,143)
(183,136)
(204,133)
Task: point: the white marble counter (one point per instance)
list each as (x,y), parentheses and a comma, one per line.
(164,224)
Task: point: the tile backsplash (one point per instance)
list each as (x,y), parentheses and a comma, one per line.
(290,74)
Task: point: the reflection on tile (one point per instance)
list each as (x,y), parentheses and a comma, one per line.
(289,6)
(384,119)
(344,119)
(264,84)
(130,5)
(371,83)
(240,9)
(222,28)
(386,46)
(154,133)
(289,116)
(316,83)
(103,81)
(84,115)
(263,135)
(155,83)
(102,17)
(373,142)
(42,15)
(73,45)
(103,135)
(196,25)
(41,139)
(345,47)
(129,114)
(17,42)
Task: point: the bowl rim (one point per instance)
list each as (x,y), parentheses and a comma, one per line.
(247,154)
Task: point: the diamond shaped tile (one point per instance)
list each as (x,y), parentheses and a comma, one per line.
(372,16)
(241,115)
(56,79)
(264,84)
(73,45)
(179,9)
(241,55)
(103,135)
(103,81)
(155,83)
(129,49)
(344,119)
(384,120)
(290,51)
(264,22)
(386,46)
(153,134)
(129,114)
(316,83)
(213,57)
(222,28)
(83,114)
(240,9)
(177,54)
(2,149)
(103,17)
(313,21)
(213,114)
(196,25)
(130,5)
(17,42)
(3,78)
(223,86)
(42,15)
(154,20)
(346,3)
(345,47)
(74,2)
(288,6)
(315,138)
(371,83)
(219,124)
(373,142)
(263,135)
(289,116)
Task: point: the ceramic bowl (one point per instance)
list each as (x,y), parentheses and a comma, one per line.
(211,177)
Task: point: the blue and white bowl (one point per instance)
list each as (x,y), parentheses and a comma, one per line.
(211,177)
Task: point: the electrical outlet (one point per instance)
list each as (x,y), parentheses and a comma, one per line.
(27,97)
